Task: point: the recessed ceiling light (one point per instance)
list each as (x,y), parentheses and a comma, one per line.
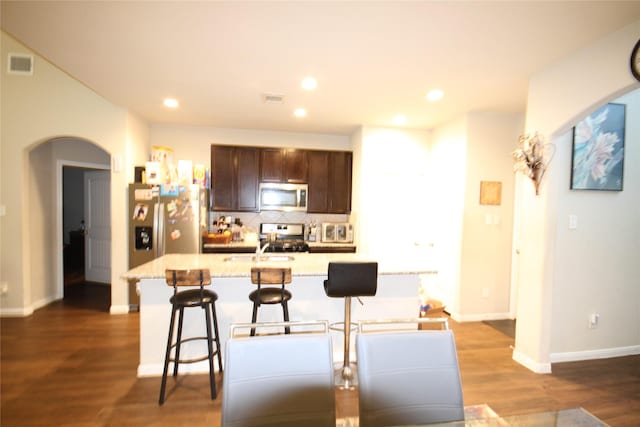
(400,120)
(300,112)
(171,103)
(435,95)
(309,83)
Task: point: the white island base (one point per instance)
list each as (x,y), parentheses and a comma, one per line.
(396,297)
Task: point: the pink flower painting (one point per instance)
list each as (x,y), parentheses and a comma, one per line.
(598,150)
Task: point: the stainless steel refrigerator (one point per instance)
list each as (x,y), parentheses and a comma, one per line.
(164,219)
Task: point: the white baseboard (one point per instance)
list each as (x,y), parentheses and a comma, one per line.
(527,362)
(605,353)
(480,317)
(119,309)
(43,302)
(16,312)
(573,356)
(27,310)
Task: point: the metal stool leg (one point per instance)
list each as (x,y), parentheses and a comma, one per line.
(347,374)
(285,314)
(254,317)
(212,381)
(176,359)
(217,337)
(167,357)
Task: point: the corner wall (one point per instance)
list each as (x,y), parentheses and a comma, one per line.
(35,109)
(607,240)
(559,96)
(485,270)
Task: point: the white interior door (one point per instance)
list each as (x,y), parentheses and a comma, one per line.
(97,214)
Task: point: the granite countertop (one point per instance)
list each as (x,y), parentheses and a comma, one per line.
(243,245)
(304,264)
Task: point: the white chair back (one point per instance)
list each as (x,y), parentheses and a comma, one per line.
(408,377)
(279,380)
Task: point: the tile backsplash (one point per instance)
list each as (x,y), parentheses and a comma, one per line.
(252,220)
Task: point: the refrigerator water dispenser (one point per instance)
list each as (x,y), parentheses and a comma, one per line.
(144,238)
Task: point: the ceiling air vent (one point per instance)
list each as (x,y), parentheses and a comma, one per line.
(20,64)
(272,98)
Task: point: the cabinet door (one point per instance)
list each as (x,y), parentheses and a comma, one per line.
(271,165)
(317,172)
(340,182)
(234,178)
(222,177)
(247,167)
(295,166)
(283,165)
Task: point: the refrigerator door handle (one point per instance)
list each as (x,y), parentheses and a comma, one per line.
(158,228)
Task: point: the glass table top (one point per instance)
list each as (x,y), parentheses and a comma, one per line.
(484,416)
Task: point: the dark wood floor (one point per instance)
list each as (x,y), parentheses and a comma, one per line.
(73,364)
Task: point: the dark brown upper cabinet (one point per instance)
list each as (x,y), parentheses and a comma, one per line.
(329,179)
(234,178)
(317,170)
(284,165)
(236,172)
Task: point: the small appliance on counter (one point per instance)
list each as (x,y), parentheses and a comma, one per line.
(337,232)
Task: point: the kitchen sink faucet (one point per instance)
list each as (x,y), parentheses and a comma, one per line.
(260,250)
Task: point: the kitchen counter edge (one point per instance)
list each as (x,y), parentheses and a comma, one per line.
(304,264)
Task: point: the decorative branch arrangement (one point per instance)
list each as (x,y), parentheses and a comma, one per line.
(530,157)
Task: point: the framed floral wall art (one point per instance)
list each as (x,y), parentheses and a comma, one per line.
(598,150)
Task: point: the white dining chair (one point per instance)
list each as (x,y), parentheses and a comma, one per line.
(408,377)
(279,380)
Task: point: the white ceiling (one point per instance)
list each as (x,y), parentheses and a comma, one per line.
(372,60)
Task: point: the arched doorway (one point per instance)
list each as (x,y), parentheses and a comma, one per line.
(47,202)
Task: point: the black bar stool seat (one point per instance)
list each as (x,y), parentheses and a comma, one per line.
(270,294)
(347,280)
(194,298)
(190,298)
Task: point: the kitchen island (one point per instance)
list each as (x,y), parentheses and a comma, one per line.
(397,297)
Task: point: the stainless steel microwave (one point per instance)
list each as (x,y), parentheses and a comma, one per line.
(283,197)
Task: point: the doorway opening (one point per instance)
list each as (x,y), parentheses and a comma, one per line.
(80,289)
(73,225)
(85,210)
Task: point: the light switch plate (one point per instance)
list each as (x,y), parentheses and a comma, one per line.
(573,222)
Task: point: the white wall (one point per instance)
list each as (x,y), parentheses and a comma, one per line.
(559,96)
(473,241)
(36,109)
(607,239)
(393,192)
(191,143)
(485,270)
(41,193)
(448,168)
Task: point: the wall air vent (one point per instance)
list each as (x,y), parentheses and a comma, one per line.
(272,98)
(20,63)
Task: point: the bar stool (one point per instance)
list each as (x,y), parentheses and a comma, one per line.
(346,280)
(203,298)
(270,294)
